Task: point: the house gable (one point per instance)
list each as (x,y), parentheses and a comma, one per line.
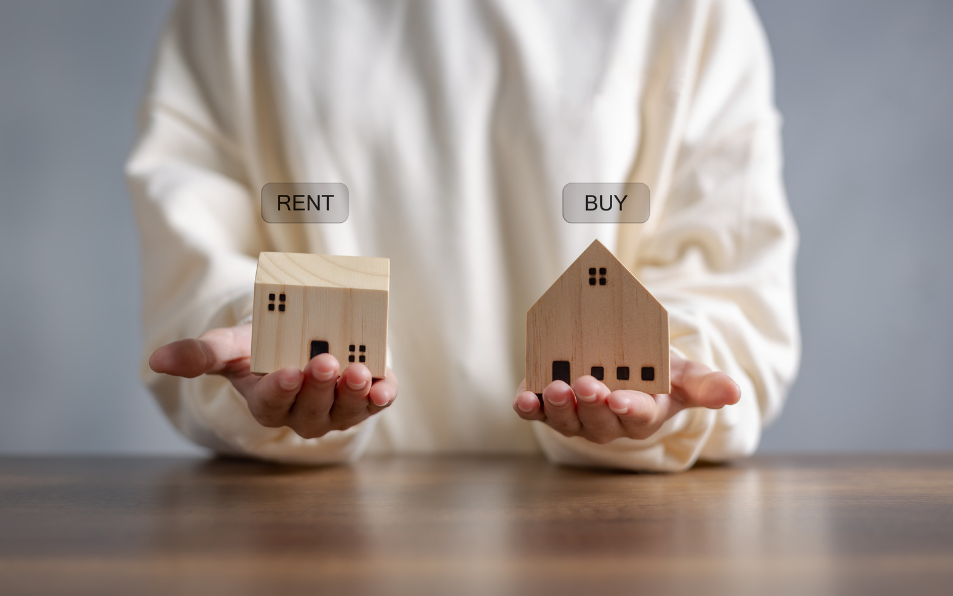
(600,319)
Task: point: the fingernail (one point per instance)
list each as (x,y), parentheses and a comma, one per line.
(354,387)
(381,400)
(522,409)
(617,410)
(587,398)
(324,375)
(288,383)
(557,402)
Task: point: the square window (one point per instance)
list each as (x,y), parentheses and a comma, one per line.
(281,307)
(271,296)
(281,297)
(350,358)
(622,373)
(319,347)
(360,358)
(271,307)
(592,271)
(592,281)
(648,373)
(598,372)
(351,348)
(602,270)
(363,348)
(561,371)
(602,281)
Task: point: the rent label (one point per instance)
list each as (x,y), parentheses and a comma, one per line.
(304,202)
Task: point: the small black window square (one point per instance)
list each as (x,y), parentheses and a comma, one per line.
(602,281)
(281,307)
(360,358)
(281,297)
(648,373)
(561,371)
(622,373)
(592,271)
(271,296)
(319,347)
(271,307)
(592,281)
(598,372)
(363,348)
(350,358)
(602,270)
(351,348)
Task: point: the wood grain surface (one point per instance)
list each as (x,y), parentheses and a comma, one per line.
(468,525)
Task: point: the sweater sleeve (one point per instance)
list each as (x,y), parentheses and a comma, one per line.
(720,252)
(200,233)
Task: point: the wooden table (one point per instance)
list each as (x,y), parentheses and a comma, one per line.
(467,525)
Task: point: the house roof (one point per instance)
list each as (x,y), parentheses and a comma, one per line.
(574,274)
(324,271)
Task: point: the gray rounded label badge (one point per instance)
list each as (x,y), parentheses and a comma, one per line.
(304,202)
(606,202)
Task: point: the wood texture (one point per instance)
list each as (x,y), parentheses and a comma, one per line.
(509,525)
(618,324)
(339,300)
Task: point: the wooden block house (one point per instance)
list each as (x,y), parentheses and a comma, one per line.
(307,305)
(598,319)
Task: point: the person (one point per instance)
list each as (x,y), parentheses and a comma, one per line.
(455,126)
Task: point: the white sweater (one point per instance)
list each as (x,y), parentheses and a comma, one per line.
(455,125)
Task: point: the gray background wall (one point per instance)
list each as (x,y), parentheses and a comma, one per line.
(865,89)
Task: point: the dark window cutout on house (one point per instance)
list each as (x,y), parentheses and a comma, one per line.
(598,372)
(271,296)
(319,347)
(648,373)
(360,358)
(271,307)
(592,276)
(363,348)
(281,307)
(350,348)
(350,358)
(281,297)
(561,371)
(622,373)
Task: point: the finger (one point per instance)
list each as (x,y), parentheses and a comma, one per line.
(383,392)
(274,395)
(527,406)
(599,423)
(215,351)
(559,406)
(695,385)
(350,402)
(640,414)
(310,412)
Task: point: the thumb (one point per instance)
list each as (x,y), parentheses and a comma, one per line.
(695,385)
(210,353)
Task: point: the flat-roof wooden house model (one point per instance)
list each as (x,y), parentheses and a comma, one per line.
(307,305)
(599,320)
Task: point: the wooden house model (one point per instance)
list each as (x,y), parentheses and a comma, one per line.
(599,320)
(307,305)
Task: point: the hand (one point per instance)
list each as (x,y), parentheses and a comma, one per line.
(588,409)
(312,402)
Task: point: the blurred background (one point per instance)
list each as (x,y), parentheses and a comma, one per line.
(866,92)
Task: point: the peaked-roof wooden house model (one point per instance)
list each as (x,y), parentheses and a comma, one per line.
(308,304)
(598,319)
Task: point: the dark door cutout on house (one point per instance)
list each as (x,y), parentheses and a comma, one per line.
(319,347)
(561,371)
